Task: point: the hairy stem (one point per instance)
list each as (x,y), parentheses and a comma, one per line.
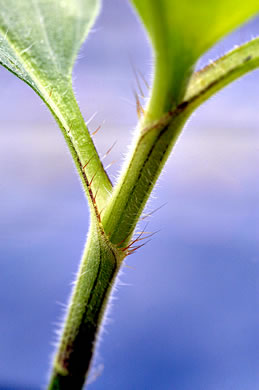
(82,148)
(148,158)
(156,139)
(99,267)
(218,74)
(102,257)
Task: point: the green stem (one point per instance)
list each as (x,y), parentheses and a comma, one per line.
(99,267)
(102,258)
(218,74)
(157,138)
(57,93)
(148,158)
(82,148)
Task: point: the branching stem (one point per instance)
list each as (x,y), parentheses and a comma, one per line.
(109,238)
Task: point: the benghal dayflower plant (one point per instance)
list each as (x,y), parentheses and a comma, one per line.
(39,42)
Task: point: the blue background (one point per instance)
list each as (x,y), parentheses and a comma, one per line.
(185,313)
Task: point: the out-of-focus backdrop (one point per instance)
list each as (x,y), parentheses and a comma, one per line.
(186,310)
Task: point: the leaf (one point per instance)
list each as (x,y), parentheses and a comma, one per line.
(40,38)
(181,31)
(39,41)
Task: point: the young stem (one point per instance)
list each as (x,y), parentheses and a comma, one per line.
(148,158)
(157,138)
(99,267)
(102,258)
(82,148)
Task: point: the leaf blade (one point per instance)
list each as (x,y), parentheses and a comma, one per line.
(47,34)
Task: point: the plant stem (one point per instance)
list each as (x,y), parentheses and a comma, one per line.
(102,258)
(82,148)
(99,267)
(148,158)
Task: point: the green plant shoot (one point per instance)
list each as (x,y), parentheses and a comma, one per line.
(39,42)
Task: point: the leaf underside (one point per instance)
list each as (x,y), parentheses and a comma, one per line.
(40,38)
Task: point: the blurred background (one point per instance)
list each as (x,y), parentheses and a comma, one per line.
(185,313)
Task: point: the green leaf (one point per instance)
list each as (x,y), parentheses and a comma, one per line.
(39,41)
(181,31)
(40,38)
